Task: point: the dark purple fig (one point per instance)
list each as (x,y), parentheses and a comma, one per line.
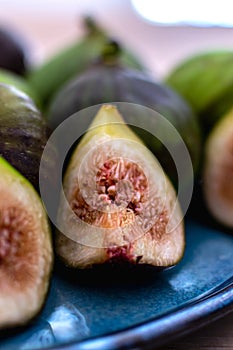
(13,51)
(108,82)
(23,132)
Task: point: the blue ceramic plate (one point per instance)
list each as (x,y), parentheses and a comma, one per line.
(86,311)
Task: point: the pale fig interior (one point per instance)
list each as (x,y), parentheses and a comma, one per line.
(120,190)
(218,172)
(19,248)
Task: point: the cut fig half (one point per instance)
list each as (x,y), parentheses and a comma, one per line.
(118,205)
(218,171)
(25,249)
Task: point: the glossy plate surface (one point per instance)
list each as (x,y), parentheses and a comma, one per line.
(138,310)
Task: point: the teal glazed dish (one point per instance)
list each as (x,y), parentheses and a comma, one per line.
(86,310)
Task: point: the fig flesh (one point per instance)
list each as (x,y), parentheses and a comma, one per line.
(218,171)
(119,206)
(25,249)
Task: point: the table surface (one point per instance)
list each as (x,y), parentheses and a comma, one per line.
(217,336)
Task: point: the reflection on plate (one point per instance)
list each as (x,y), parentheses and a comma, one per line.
(85,311)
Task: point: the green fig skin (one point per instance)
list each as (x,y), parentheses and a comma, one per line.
(26,254)
(104,232)
(19,82)
(105,83)
(23,132)
(205,80)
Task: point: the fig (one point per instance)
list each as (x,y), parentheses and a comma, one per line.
(13,51)
(110,81)
(205,80)
(48,77)
(118,205)
(23,132)
(19,82)
(218,171)
(26,255)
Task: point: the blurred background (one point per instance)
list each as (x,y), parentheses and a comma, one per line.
(160,33)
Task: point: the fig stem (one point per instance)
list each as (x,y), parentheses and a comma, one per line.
(91,26)
(111,52)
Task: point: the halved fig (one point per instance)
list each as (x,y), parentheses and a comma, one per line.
(119,206)
(218,171)
(25,249)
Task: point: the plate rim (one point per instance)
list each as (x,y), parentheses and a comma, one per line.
(161,330)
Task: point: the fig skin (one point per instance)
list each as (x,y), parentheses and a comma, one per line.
(218,175)
(87,242)
(26,254)
(19,82)
(205,80)
(23,132)
(13,51)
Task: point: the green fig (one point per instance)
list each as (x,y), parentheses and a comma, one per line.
(26,254)
(18,82)
(205,80)
(119,206)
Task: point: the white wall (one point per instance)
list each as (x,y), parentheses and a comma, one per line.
(49,24)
